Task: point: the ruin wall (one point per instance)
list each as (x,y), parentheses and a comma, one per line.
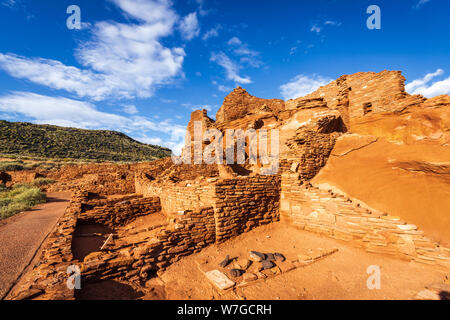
(122,211)
(176,197)
(245,203)
(339,217)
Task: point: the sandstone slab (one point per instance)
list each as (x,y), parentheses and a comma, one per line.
(219,279)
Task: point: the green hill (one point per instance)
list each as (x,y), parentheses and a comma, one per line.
(47,141)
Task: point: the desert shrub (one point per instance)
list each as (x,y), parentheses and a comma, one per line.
(30,166)
(11,166)
(19,198)
(39,182)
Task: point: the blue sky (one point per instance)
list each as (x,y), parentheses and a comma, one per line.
(142,66)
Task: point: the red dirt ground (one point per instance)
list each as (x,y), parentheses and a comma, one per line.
(343,275)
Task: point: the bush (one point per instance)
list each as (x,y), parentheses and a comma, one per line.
(11,166)
(39,182)
(20,198)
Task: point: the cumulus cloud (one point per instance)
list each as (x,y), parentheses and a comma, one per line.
(119,60)
(302,85)
(189,26)
(80,114)
(231,68)
(422,86)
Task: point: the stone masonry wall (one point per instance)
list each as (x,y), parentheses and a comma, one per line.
(186,234)
(119,212)
(365,92)
(240,203)
(245,203)
(380,89)
(322,211)
(181,197)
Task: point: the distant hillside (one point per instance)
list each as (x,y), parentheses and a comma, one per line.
(26,139)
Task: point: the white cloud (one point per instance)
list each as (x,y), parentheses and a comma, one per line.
(241,48)
(231,68)
(244,51)
(315,28)
(189,26)
(224,88)
(302,85)
(149,11)
(164,100)
(410,87)
(247,56)
(332,23)
(420,4)
(234,41)
(221,87)
(422,86)
(211,33)
(130,109)
(156,141)
(73,113)
(120,60)
(319,27)
(59,111)
(9,3)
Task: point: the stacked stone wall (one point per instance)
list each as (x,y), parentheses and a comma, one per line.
(245,203)
(337,216)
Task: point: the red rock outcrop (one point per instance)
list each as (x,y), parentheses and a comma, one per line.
(240,103)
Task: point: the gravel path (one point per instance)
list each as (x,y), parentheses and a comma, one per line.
(22,235)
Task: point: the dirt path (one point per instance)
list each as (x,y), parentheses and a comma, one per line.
(22,235)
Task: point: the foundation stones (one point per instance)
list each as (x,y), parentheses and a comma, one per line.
(250,277)
(235,273)
(256,256)
(279,257)
(225,262)
(219,279)
(267,264)
(270,257)
(243,264)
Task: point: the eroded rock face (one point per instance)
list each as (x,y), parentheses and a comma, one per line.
(240,103)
